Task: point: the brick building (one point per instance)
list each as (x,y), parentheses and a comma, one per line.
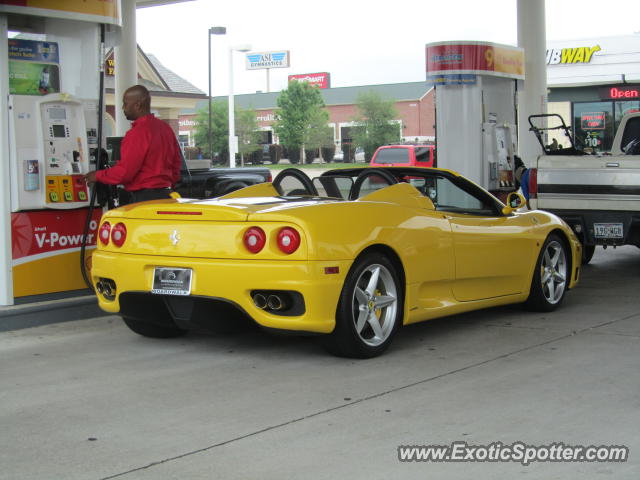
(413,103)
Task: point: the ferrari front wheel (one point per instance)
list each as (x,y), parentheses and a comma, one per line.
(369,311)
(551,276)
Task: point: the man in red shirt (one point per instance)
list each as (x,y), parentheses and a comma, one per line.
(150,160)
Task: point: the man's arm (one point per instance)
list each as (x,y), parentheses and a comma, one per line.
(133,150)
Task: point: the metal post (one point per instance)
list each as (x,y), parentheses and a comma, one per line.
(232,127)
(210,140)
(533,97)
(126,55)
(6,274)
(233,144)
(212,31)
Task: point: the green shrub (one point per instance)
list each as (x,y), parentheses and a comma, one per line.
(349,152)
(293,154)
(328,153)
(275,153)
(310,154)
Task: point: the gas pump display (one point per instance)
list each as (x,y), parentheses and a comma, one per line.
(49,152)
(499,152)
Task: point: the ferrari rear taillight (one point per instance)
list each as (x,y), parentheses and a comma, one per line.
(254,239)
(104,233)
(118,234)
(533,183)
(288,240)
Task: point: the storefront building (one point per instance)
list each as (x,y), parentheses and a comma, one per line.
(413,103)
(592,83)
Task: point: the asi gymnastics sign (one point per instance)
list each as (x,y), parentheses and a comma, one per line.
(261,60)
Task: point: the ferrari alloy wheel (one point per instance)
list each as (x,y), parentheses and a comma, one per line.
(551,276)
(370,309)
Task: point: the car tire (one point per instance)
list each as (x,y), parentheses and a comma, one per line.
(370,310)
(587,253)
(551,276)
(153,330)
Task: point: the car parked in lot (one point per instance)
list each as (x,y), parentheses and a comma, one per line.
(404,155)
(352,255)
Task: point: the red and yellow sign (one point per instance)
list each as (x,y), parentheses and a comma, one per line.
(320,80)
(45,246)
(110,65)
(103,11)
(480,58)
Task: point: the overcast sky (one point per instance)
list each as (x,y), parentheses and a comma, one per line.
(357,42)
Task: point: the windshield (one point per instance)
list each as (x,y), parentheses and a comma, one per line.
(392,155)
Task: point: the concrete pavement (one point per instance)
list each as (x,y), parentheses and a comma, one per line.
(88,399)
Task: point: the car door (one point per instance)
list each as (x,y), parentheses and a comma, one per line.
(493,252)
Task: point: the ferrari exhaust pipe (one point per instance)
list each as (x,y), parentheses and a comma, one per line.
(274,302)
(99,287)
(260,300)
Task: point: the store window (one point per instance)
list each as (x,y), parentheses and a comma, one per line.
(593,125)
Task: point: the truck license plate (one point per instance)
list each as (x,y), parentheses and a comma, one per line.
(608,230)
(171,281)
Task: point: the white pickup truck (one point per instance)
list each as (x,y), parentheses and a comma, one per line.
(598,195)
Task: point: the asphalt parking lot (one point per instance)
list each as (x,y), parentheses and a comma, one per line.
(88,399)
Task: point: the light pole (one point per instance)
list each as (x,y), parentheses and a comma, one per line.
(233,141)
(212,31)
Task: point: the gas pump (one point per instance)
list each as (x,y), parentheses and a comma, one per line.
(54,110)
(50,152)
(475,100)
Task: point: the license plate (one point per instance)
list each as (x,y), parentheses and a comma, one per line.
(608,230)
(171,281)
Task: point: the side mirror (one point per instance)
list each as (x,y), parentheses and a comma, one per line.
(515,201)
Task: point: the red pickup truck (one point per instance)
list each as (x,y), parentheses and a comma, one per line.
(404,156)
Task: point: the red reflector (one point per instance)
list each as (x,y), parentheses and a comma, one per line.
(331,270)
(104,233)
(118,234)
(254,239)
(288,240)
(167,212)
(533,183)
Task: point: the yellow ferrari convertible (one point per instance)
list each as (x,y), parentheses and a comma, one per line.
(352,256)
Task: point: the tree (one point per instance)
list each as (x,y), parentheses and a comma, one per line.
(245,125)
(375,126)
(318,133)
(219,130)
(247,132)
(300,108)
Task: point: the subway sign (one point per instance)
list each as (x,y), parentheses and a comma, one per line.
(568,56)
(261,60)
